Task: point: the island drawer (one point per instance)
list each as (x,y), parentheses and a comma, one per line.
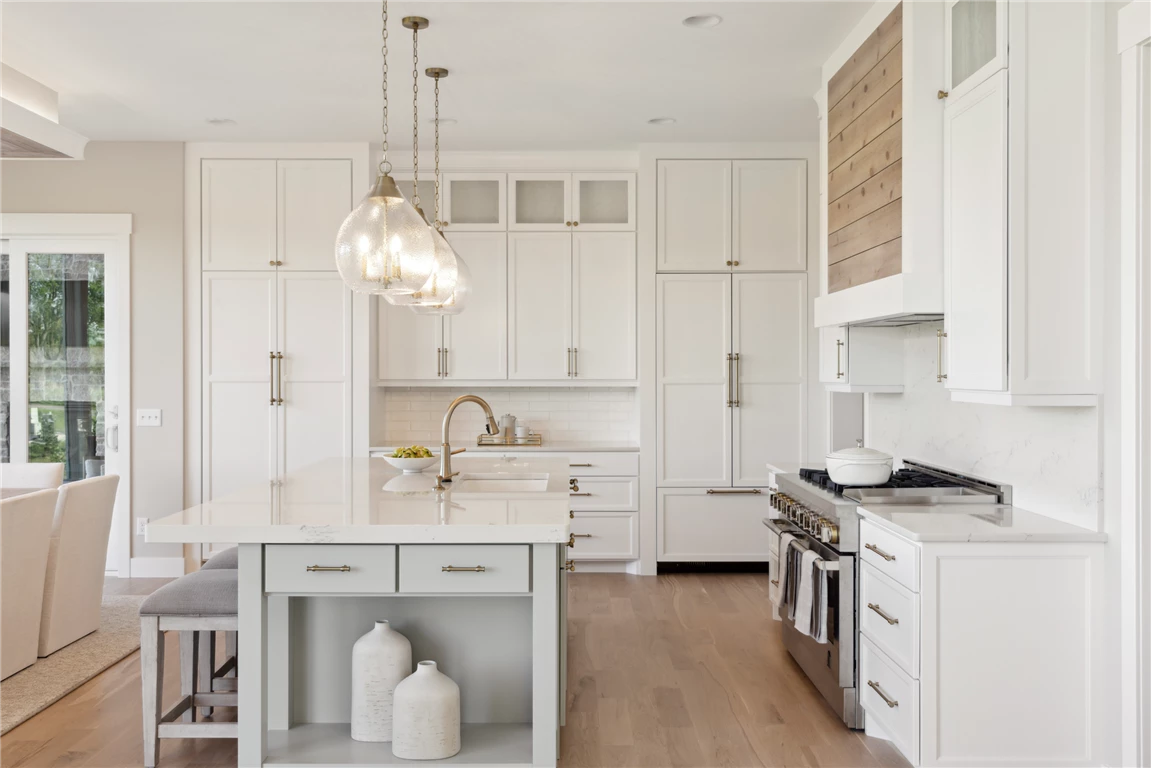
(594,464)
(604,493)
(605,536)
(330,568)
(492,568)
(889,554)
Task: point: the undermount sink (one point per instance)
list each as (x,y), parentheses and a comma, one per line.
(500,482)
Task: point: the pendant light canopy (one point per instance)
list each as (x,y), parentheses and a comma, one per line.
(385,246)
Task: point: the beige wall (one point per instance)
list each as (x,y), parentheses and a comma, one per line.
(145,179)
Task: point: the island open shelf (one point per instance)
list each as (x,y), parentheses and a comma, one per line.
(331,744)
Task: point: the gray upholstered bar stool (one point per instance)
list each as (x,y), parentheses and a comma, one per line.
(201,601)
(223,678)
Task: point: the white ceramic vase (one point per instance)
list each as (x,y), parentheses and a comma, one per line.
(427,715)
(381,660)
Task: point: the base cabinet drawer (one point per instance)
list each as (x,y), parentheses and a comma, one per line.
(889,617)
(615,494)
(594,464)
(605,536)
(890,698)
(493,568)
(889,554)
(693,525)
(330,568)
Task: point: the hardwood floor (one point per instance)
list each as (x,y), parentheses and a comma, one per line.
(679,670)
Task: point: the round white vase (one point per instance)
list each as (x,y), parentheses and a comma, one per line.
(381,659)
(427,715)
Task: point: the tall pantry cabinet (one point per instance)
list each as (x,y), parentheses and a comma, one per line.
(275,319)
(731,349)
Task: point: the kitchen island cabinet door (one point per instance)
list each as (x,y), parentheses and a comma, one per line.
(693,215)
(693,385)
(769,344)
(476,341)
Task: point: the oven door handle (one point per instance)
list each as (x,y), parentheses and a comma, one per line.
(776,526)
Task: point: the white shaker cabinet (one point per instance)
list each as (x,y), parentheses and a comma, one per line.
(539,305)
(576,202)
(472,202)
(693,215)
(711,525)
(731,365)
(1023,247)
(603,306)
(410,345)
(861,359)
(769,215)
(975,43)
(272,214)
(476,340)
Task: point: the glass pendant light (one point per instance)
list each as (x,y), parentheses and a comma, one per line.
(384,246)
(453,299)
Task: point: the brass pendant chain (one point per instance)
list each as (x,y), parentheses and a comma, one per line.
(437,173)
(416,116)
(385,165)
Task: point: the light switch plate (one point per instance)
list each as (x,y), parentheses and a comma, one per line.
(148,417)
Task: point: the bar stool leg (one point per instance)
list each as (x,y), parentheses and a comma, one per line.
(189,642)
(230,645)
(152,676)
(207,664)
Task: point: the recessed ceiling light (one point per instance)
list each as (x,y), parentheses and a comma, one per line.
(220,121)
(702,22)
(662,121)
(444,121)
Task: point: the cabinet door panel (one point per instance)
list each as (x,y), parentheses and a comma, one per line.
(477,339)
(975,43)
(693,339)
(315,196)
(315,374)
(769,215)
(975,236)
(410,344)
(603,305)
(833,355)
(239,333)
(769,335)
(539,305)
(238,214)
(474,202)
(695,526)
(603,202)
(693,215)
(540,202)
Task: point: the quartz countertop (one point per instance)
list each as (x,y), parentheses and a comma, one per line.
(558,446)
(367,501)
(974,522)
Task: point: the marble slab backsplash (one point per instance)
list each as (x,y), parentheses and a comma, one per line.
(1051,456)
(415,414)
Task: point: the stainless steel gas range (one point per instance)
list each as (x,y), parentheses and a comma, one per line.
(823,517)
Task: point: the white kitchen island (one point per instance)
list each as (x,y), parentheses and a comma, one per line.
(473,574)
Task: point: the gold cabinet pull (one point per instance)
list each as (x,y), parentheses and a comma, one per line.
(942,94)
(730,395)
(585,493)
(280,378)
(271,378)
(882,614)
(462,569)
(575,363)
(575,223)
(581,536)
(571,540)
(887,700)
(567,223)
(879,552)
(569,361)
(571,514)
(775,582)
(735,263)
(271,263)
(445,362)
(584,464)
(940,335)
(839,358)
(731,491)
(439,361)
(329,568)
(445,223)
(569,565)
(728,263)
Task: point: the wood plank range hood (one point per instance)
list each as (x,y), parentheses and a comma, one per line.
(880,161)
(29,121)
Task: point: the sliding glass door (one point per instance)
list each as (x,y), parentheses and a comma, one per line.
(59,333)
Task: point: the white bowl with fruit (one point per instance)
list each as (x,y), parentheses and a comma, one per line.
(412,459)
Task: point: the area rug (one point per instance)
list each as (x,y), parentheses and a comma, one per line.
(50,679)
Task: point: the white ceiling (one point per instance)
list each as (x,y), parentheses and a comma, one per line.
(523,75)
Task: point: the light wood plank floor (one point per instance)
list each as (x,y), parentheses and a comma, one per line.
(680,670)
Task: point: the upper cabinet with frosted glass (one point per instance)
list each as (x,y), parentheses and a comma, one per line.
(259,214)
(473,202)
(562,202)
(976,43)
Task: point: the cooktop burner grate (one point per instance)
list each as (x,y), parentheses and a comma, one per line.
(903,478)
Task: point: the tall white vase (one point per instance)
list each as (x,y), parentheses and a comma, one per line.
(427,715)
(381,660)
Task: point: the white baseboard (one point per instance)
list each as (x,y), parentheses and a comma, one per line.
(603,566)
(157,567)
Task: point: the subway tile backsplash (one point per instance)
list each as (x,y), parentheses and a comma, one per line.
(414,414)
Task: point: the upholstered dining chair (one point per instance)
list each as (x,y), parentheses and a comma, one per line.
(25,525)
(31,475)
(77,553)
